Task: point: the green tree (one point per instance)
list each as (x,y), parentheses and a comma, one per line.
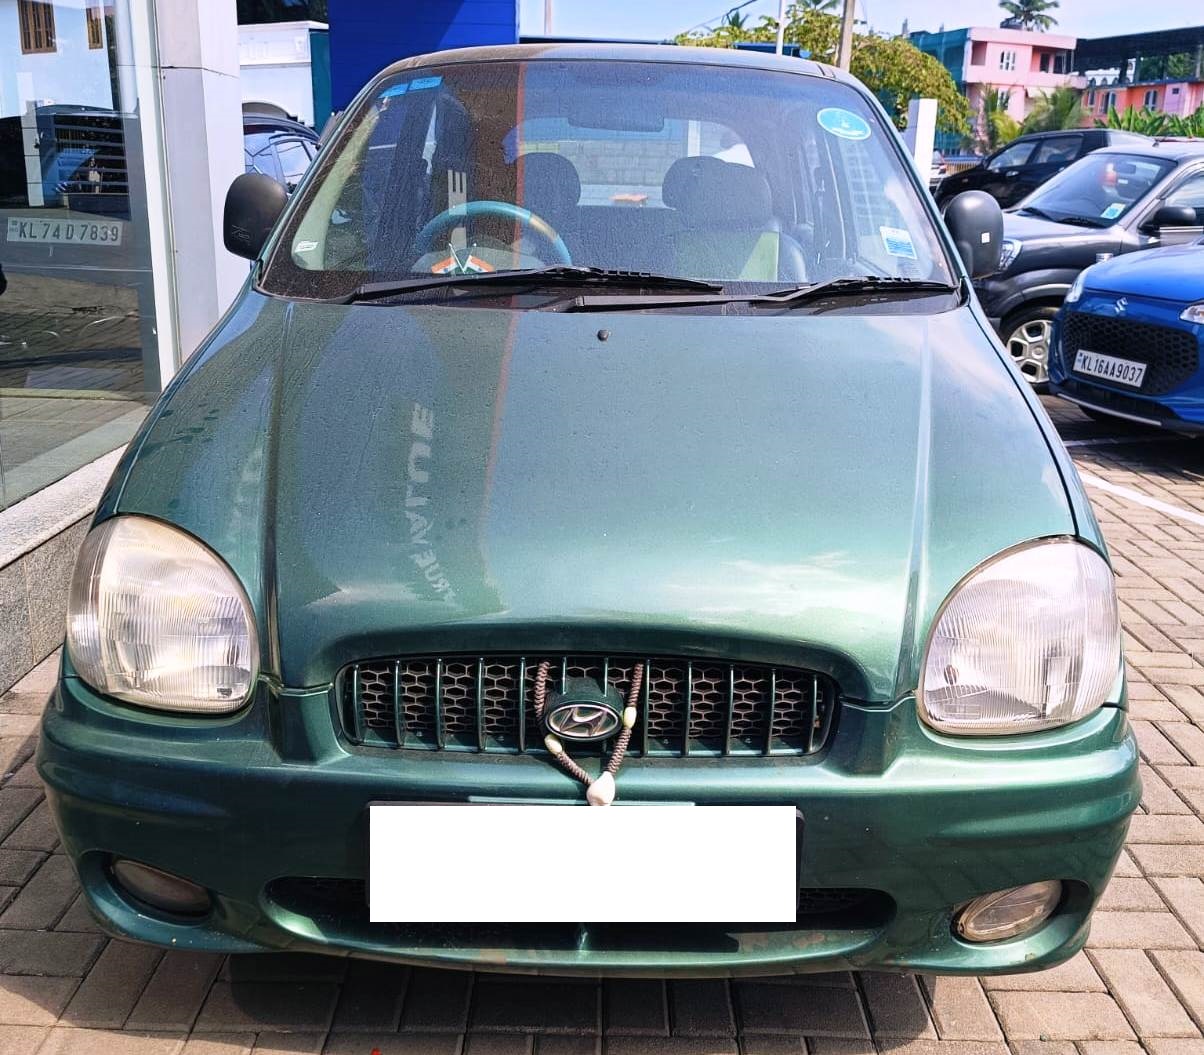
(1054,111)
(893,68)
(998,125)
(1146,120)
(1030,14)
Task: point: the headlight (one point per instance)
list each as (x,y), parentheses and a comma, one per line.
(1194,313)
(1076,290)
(1028,641)
(157,619)
(1009,249)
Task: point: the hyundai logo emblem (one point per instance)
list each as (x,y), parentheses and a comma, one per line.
(584,712)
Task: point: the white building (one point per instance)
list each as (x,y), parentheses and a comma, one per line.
(276,64)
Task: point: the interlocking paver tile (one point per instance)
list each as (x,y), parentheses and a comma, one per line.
(840,1046)
(290,1043)
(436,1001)
(1184,970)
(219,1044)
(44,898)
(1174,1046)
(896,1006)
(1165,828)
(499,1044)
(48,953)
(924,1046)
(960,1008)
(768,1008)
(1155,748)
(16,866)
(1185,896)
(1135,893)
(1158,860)
(1157,796)
(33,1001)
(1188,739)
(1144,997)
(770,1044)
(634,1006)
(68,1041)
(393,1044)
(1138,930)
(1060,1016)
(701,1009)
(21,1040)
(233,1007)
(173,996)
(503,1005)
(372,997)
(108,994)
(667,1046)
(15,805)
(1076,975)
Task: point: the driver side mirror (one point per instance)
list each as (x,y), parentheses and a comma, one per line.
(254,203)
(1171,216)
(975,221)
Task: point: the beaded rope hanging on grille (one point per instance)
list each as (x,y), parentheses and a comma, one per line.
(599,790)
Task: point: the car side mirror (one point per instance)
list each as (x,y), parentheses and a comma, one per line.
(254,203)
(975,221)
(1171,216)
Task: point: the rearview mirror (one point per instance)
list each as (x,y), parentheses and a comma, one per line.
(1172,216)
(254,203)
(975,221)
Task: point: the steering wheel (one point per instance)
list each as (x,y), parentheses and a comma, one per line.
(424,240)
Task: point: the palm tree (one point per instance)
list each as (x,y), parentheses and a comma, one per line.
(1030,14)
(1055,111)
(998,125)
(1146,121)
(734,22)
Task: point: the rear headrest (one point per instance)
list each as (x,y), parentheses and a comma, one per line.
(551,184)
(718,192)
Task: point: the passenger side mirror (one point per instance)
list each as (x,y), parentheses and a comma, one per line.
(1171,216)
(975,221)
(254,203)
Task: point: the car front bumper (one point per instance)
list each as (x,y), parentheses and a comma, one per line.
(268,811)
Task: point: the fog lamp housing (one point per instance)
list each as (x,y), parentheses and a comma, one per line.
(161,890)
(1008,913)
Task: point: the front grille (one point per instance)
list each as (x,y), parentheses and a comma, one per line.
(1172,355)
(686,706)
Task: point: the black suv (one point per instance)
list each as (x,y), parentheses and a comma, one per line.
(1019,168)
(277,146)
(1112,201)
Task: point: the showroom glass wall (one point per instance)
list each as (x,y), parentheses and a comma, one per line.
(79,347)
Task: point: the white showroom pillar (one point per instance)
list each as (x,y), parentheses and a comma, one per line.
(921,133)
(201,99)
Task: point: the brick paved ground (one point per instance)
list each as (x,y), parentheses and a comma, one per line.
(66,990)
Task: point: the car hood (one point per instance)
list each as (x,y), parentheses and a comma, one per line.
(794,488)
(1175,273)
(1035,229)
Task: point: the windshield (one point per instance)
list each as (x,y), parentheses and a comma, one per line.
(736,176)
(1098,189)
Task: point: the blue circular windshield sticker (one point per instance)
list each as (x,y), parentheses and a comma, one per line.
(843,123)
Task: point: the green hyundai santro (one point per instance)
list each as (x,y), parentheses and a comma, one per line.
(599,426)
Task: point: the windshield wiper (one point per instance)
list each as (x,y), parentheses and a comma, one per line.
(1073,221)
(784,298)
(556,275)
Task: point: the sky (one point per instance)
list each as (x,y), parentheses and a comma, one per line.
(657,19)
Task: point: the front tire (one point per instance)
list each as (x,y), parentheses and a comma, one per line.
(1026,336)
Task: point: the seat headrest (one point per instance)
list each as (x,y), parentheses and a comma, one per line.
(721,193)
(551,183)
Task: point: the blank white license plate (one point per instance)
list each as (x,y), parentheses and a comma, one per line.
(510,863)
(1109,368)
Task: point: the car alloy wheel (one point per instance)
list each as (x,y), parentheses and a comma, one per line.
(1027,342)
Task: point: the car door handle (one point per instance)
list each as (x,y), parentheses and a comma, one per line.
(1011,175)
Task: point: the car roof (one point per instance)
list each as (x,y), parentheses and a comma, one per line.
(1172,149)
(604,52)
(252,121)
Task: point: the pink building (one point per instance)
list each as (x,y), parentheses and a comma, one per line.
(1024,64)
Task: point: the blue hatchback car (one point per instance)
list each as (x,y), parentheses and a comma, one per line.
(1128,340)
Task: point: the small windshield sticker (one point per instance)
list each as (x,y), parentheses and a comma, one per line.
(306,247)
(395,89)
(425,82)
(843,123)
(898,242)
(1113,210)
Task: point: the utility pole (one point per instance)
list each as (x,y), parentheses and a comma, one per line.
(845,55)
(781,26)
(547,18)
